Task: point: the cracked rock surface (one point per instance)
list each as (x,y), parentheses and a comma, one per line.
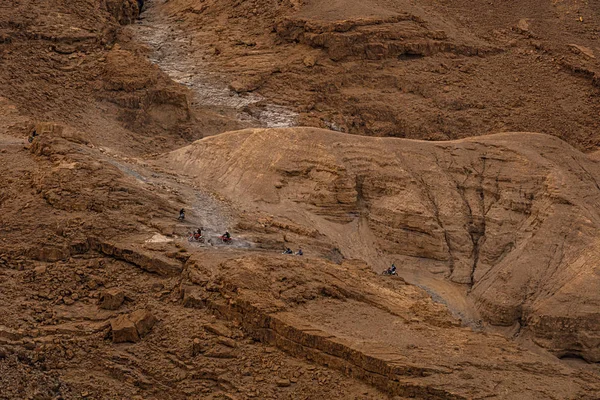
(515,221)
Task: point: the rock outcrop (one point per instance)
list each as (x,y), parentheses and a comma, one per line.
(124,11)
(377,329)
(146,96)
(512,216)
(376,38)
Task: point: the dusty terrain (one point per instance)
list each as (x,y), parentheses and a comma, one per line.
(426,69)
(102,296)
(474,210)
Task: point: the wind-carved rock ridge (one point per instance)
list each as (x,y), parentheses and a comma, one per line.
(146,260)
(375,38)
(377,330)
(486,212)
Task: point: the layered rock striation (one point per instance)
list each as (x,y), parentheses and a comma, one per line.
(511,216)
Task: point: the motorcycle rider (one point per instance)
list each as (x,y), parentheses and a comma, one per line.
(33,135)
(181,215)
(392,269)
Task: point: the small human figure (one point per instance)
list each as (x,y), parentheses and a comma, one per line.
(300,252)
(32,136)
(181,215)
(393,269)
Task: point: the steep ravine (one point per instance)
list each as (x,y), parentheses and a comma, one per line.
(172,50)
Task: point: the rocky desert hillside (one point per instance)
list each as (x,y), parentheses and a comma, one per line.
(455,139)
(427,69)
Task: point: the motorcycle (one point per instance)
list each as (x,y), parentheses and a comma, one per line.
(31,137)
(225,239)
(389,272)
(194,237)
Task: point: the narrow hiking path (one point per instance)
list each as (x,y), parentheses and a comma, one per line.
(453,296)
(174,53)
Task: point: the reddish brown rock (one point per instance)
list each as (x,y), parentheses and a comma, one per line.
(143,321)
(197,347)
(132,327)
(124,330)
(111,299)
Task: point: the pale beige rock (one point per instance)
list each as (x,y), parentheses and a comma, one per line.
(309,61)
(586,51)
(40,270)
(523,25)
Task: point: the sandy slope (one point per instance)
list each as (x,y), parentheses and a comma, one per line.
(511,216)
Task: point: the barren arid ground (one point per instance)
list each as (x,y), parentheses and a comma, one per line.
(457,139)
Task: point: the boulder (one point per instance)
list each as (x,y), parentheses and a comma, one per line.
(218,330)
(124,330)
(282,382)
(227,342)
(132,327)
(111,299)
(197,347)
(309,61)
(246,85)
(143,320)
(40,270)
(522,26)
(10,334)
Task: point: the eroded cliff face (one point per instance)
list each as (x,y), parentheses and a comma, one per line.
(71,64)
(377,329)
(103,295)
(419,70)
(517,223)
